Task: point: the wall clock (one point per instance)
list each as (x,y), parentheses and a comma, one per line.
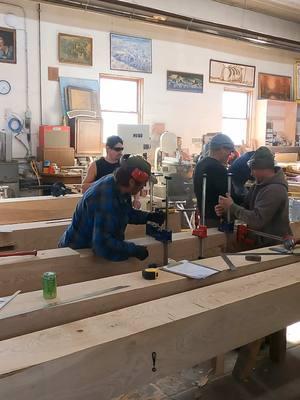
(5,87)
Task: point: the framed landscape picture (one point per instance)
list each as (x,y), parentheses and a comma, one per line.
(130,53)
(274,87)
(74,49)
(184,82)
(231,74)
(8,51)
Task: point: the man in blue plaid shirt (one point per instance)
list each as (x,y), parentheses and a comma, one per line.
(101,217)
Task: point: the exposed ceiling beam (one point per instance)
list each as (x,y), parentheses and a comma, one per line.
(163,18)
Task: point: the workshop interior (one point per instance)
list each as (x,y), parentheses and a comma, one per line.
(149,199)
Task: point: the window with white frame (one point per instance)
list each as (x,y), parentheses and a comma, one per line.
(120,101)
(236,115)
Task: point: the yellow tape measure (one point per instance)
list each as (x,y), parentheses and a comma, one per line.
(150,273)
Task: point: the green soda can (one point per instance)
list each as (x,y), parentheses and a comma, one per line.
(49,285)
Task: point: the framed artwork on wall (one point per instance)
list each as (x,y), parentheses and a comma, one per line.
(74,49)
(184,82)
(297,81)
(130,53)
(274,87)
(8,50)
(231,74)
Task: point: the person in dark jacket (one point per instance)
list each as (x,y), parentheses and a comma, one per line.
(241,173)
(214,166)
(266,210)
(266,207)
(101,216)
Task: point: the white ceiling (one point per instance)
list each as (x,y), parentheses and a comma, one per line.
(285,9)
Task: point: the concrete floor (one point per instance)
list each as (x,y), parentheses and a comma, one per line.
(268,381)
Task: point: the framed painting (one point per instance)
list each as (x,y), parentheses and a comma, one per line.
(130,53)
(274,87)
(231,74)
(82,99)
(8,50)
(184,82)
(74,49)
(297,82)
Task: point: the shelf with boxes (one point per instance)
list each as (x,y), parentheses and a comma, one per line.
(276,123)
(54,145)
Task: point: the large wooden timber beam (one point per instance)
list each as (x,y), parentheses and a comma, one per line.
(30,312)
(42,235)
(28,209)
(24,273)
(111,354)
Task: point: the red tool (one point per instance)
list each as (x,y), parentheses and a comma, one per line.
(200,230)
(19,253)
(288,241)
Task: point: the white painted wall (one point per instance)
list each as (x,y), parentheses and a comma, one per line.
(186,114)
(209,10)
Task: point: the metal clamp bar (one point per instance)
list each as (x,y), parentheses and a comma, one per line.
(166,246)
(203,199)
(229,182)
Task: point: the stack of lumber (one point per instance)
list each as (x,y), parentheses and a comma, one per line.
(39,222)
(30,209)
(44,235)
(73,266)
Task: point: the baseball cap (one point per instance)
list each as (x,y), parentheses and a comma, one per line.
(220,140)
(141,169)
(263,158)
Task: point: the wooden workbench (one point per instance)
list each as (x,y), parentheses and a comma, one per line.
(42,235)
(30,312)
(40,208)
(71,266)
(107,355)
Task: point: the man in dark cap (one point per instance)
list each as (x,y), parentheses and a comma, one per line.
(214,166)
(266,210)
(101,217)
(266,207)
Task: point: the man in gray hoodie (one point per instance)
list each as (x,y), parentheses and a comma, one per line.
(266,207)
(266,210)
